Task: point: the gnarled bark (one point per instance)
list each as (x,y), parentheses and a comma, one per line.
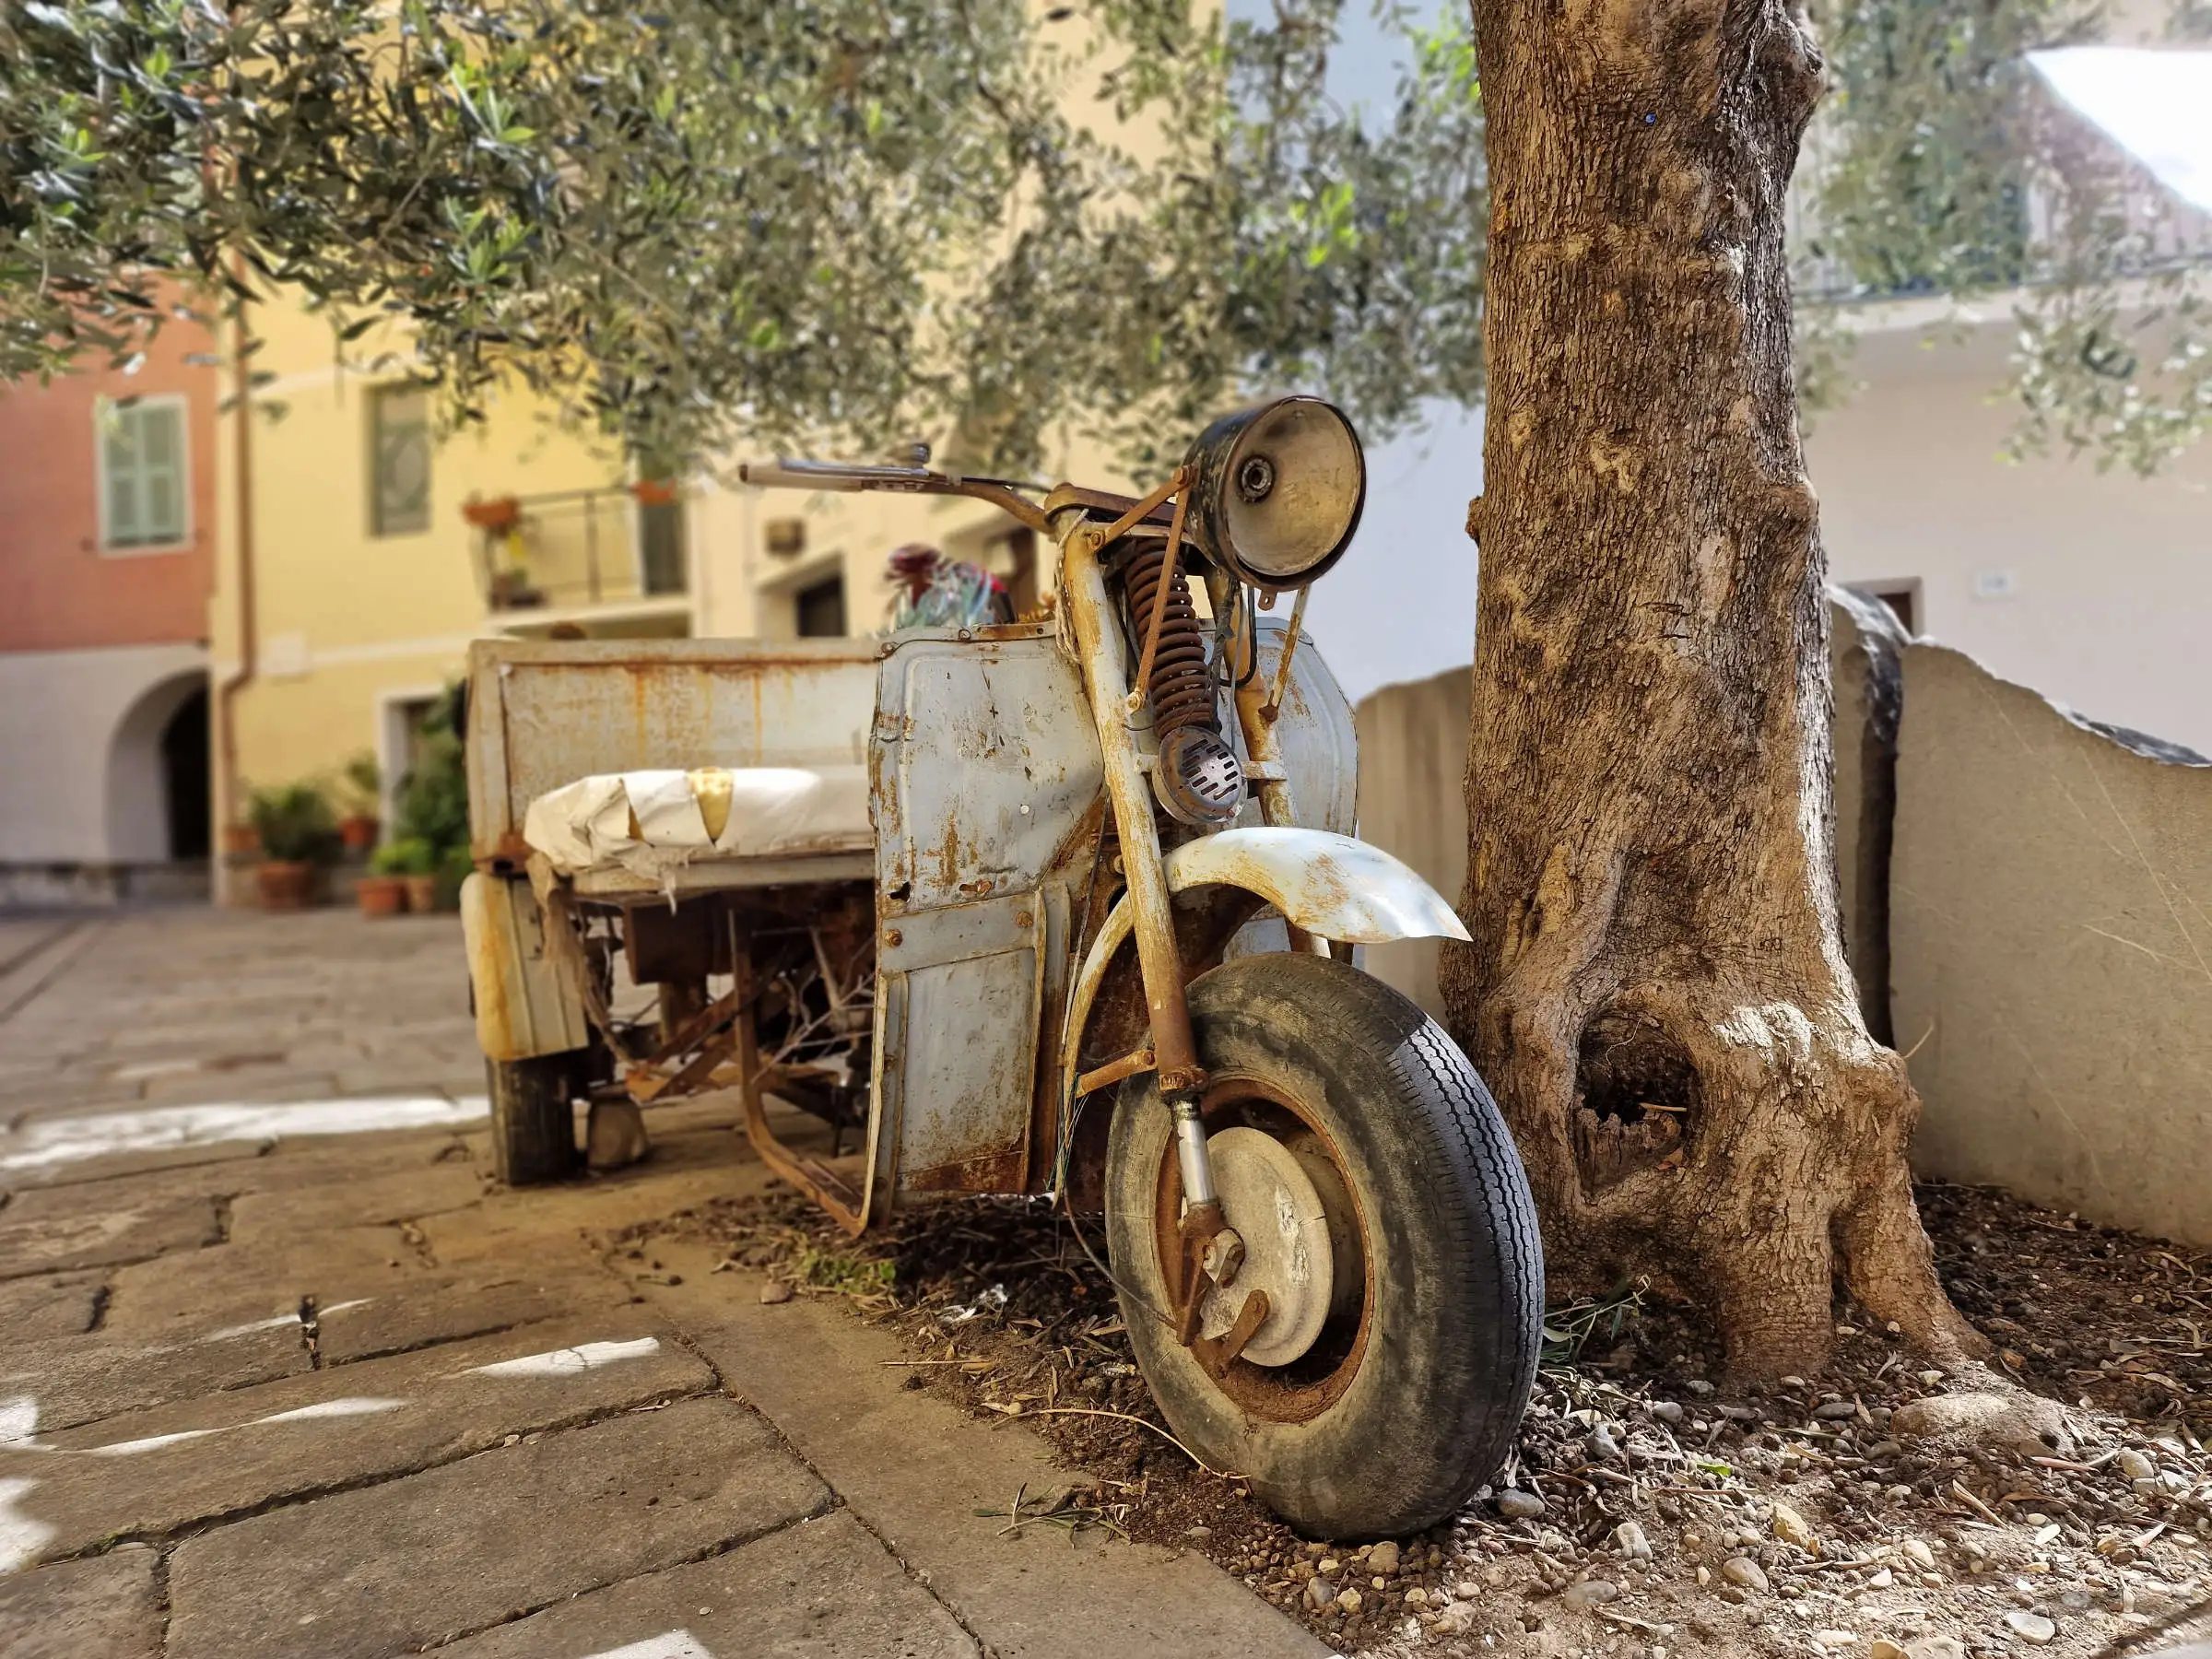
(1657,990)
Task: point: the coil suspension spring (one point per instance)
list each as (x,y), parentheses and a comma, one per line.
(1181,690)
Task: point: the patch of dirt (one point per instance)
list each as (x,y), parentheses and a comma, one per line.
(1678,1514)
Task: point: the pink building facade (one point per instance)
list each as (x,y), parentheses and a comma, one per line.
(107,553)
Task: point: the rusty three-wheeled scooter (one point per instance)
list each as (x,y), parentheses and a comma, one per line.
(1068,906)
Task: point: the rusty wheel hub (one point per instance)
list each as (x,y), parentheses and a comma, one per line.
(1272,1203)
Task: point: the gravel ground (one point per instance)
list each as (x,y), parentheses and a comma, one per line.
(1885,1509)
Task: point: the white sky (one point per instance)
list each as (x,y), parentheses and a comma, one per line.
(2155,104)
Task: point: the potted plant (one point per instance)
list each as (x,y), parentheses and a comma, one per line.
(383,891)
(413,862)
(298,834)
(362,783)
(433,809)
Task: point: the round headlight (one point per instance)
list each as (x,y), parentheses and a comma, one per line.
(1276,491)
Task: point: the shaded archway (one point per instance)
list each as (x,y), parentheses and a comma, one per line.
(158,802)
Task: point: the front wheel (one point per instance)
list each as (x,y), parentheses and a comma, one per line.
(1385,1215)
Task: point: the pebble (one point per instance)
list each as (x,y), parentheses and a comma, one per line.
(1698,1386)
(1745,1572)
(1589,1593)
(1383,1557)
(1884,1648)
(1881,1449)
(1349,1603)
(1740,1414)
(1416,1597)
(1519,1506)
(775,1291)
(1666,1411)
(1631,1541)
(1604,1448)
(1320,1594)
(1793,1528)
(1936,1647)
(2136,1467)
(2031,1626)
(1923,1556)
(1197,1531)
(1454,1620)
(1835,1411)
(1882,1580)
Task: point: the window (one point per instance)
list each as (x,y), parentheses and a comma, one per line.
(399,461)
(142,475)
(822,609)
(1902,598)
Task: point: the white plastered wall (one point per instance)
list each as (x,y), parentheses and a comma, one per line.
(80,763)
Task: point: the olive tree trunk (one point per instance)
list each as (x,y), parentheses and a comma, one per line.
(1657,990)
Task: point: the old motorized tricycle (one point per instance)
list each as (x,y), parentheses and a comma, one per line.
(1065,907)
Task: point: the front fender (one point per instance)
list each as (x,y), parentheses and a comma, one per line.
(1332,886)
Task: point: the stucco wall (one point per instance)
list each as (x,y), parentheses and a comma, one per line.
(78,751)
(2045,903)
(59,591)
(1413,762)
(2050,952)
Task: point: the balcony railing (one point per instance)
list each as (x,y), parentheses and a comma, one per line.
(613,545)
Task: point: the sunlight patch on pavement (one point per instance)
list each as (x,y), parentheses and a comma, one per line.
(21,1538)
(50,1141)
(670,1645)
(18,1420)
(351,1407)
(567,1361)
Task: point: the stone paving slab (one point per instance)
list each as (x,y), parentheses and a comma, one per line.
(299,1211)
(243,1167)
(125,1234)
(55,1304)
(84,1380)
(447,1310)
(824,1589)
(154,1472)
(180,1298)
(915,1469)
(391,1568)
(107,1606)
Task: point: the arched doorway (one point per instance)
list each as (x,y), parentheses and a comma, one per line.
(158,774)
(186,767)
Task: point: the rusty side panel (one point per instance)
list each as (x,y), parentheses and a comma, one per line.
(546,713)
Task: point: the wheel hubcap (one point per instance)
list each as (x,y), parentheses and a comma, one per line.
(1271,1201)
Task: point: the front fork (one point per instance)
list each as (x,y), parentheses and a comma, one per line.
(1213,1251)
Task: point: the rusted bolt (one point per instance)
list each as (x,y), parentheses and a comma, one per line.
(1021,919)
(894,938)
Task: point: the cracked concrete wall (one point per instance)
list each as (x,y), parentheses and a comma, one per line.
(2051,950)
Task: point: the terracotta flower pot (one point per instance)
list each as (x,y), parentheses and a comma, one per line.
(359,832)
(380,895)
(286,884)
(422,893)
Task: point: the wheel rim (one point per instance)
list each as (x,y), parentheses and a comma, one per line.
(1308,1385)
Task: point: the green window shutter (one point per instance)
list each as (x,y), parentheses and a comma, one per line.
(161,483)
(126,525)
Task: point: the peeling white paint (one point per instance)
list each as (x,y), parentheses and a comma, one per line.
(21,1538)
(669,1645)
(567,1361)
(47,1142)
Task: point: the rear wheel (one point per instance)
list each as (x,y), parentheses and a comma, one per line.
(533,1126)
(1385,1215)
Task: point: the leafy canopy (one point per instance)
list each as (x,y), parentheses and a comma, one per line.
(725,221)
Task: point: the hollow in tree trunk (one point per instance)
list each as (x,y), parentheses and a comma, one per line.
(1657,990)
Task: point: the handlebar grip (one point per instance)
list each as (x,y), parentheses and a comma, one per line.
(779,474)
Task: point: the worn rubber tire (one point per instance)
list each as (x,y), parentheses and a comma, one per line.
(1454,1263)
(532,1125)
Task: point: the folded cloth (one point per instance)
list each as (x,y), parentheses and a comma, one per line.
(654,823)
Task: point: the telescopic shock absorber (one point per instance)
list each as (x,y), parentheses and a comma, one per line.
(1196,778)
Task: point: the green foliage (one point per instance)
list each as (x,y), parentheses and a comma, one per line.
(432,805)
(294,823)
(361,782)
(405,855)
